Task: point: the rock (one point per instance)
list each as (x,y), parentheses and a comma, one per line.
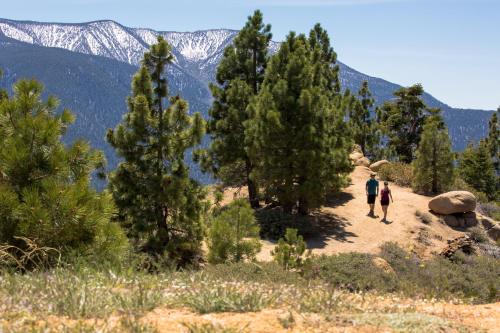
(383,265)
(494,232)
(470,219)
(463,243)
(453,202)
(377,165)
(357,149)
(451,220)
(486,222)
(363,161)
(355,156)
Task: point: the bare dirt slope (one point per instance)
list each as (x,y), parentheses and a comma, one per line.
(345,227)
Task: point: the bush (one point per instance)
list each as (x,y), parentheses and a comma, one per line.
(490,209)
(233,233)
(425,217)
(289,252)
(398,173)
(478,235)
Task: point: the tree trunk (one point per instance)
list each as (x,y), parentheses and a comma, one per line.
(253,194)
(303,207)
(434,169)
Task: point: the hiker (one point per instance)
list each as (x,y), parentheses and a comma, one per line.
(372,193)
(385,194)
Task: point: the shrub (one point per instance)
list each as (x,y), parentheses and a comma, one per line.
(45,192)
(490,209)
(398,173)
(478,235)
(425,217)
(289,252)
(233,233)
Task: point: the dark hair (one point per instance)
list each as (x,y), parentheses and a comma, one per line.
(386,183)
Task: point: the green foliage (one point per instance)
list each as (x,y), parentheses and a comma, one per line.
(476,169)
(157,200)
(402,121)
(461,185)
(298,136)
(478,234)
(493,140)
(233,234)
(290,251)
(398,173)
(433,169)
(239,78)
(365,130)
(45,192)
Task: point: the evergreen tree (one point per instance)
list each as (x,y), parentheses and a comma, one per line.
(493,140)
(45,192)
(157,199)
(433,167)
(364,129)
(476,169)
(297,134)
(3,92)
(233,234)
(402,121)
(239,78)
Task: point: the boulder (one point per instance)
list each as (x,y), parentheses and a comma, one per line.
(470,219)
(375,167)
(452,221)
(494,232)
(363,161)
(383,265)
(357,149)
(453,202)
(354,156)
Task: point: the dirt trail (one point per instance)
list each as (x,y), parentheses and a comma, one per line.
(345,226)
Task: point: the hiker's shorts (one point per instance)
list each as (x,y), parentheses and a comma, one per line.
(371,199)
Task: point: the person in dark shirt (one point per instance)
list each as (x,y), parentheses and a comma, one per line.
(371,193)
(385,194)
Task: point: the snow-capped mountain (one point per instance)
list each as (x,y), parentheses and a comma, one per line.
(89,67)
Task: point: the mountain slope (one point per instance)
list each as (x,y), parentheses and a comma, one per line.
(95,61)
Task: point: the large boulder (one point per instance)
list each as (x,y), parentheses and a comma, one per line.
(357,149)
(354,156)
(453,202)
(461,220)
(375,167)
(363,161)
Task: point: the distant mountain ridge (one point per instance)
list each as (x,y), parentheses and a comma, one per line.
(111,52)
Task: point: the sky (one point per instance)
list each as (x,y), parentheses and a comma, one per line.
(451,47)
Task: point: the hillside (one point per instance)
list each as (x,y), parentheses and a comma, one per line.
(96,60)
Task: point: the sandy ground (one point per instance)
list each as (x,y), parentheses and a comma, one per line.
(345,226)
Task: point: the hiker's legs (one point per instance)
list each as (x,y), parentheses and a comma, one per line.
(372,209)
(384,209)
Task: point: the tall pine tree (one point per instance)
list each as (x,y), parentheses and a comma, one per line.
(297,135)
(158,201)
(239,78)
(402,121)
(364,128)
(433,168)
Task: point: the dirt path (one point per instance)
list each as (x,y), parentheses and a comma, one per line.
(347,228)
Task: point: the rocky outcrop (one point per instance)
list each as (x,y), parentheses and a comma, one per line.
(494,232)
(453,202)
(461,220)
(463,243)
(363,161)
(375,167)
(382,264)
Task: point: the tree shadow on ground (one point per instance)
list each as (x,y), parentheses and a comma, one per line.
(326,227)
(338,199)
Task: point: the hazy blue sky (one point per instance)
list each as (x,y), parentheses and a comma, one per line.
(452,47)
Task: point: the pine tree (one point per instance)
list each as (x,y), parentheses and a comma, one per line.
(157,199)
(402,121)
(476,169)
(297,135)
(433,168)
(364,128)
(239,78)
(45,192)
(493,140)
(233,234)
(3,92)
